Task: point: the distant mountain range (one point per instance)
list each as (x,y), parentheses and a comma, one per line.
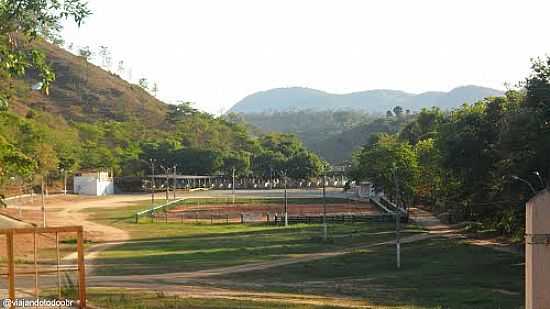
(374,101)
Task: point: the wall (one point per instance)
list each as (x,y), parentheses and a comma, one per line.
(537,252)
(90,185)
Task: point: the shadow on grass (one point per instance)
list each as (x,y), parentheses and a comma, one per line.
(437,273)
(201,251)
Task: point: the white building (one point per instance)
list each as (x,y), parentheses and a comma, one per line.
(364,189)
(94,183)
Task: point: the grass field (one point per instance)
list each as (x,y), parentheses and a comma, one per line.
(202,246)
(435,273)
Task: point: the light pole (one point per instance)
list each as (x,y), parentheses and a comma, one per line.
(526,182)
(397,219)
(325,227)
(175,183)
(152,180)
(286,200)
(42,189)
(64,181)
(233,185)
(540,178)
(166,172)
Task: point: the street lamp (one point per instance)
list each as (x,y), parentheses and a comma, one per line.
(325,227)
(166,172)
(175,183)
(233,185)
(42,189)
(397,219)
(286,199)
(152,180)
(540,178)
(526,182)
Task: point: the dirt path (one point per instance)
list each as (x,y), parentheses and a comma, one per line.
(434,226)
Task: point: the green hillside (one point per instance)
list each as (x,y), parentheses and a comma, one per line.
(84,92)
(94,119)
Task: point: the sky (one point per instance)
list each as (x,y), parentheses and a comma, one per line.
(214,53)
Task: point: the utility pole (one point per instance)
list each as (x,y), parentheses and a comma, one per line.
(233,186)
(271,178)
(64,182)
(325,228)
(397,220)
(286,201)
(152,181)
(42,187)
(175,183)
(167,171)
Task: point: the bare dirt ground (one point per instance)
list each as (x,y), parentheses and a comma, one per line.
(64,211)
(435,227)
(258,212)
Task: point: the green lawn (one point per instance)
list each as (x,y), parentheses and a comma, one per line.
(436,273)
(170,247)
(203,246)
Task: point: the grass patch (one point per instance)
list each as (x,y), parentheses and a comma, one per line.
(170,247)
(209,246)
(436,273)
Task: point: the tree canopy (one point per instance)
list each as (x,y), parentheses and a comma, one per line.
(463,161)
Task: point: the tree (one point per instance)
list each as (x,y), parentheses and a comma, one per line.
(121,68)
(304,165)
(143,83)
(240,161)
(106,59)
(24,21)
(426,125)
(181,111)
(386,163)
(398,111)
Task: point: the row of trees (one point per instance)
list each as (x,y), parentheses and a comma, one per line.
(464,161)
(199,143)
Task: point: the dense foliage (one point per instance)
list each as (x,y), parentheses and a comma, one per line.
(23,21)
(464,161)
(334,135)
(196,142)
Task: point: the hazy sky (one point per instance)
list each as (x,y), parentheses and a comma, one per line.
(216,52)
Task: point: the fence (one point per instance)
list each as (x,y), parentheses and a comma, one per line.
(151,211)
(332,219)
(36,272)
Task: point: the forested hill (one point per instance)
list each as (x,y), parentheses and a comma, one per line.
(93,119)
(334,135)
(372,101)
(85,92)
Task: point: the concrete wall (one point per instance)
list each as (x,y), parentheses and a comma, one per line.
(90,185)
(537,252)
(105,187)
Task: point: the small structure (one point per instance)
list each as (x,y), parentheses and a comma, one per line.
(365,189)
(93,183)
